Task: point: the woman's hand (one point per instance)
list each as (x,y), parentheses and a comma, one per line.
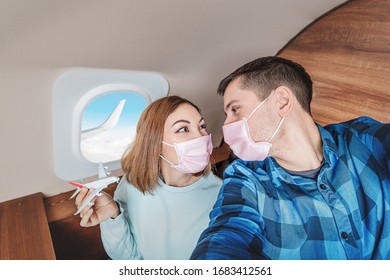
(102,207)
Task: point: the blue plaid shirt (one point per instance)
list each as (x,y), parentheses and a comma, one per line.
(263,212)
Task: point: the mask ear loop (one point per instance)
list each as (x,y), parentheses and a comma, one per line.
(161,156)
(277,129)
(177,155)
(260,105)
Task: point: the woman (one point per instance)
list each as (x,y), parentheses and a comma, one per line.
(163,201)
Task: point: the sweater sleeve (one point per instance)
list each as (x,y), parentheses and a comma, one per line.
(117,238)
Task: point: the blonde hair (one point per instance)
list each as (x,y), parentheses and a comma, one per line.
(140,161)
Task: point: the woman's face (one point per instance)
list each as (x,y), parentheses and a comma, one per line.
(184,124)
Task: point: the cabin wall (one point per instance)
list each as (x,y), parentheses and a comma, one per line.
(26,144)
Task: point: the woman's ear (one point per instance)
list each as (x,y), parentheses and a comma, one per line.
(285,100)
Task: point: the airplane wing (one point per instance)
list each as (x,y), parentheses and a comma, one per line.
(79,187)
(98,186)
(102,174)
(89,198)
(75,193)
(109,123)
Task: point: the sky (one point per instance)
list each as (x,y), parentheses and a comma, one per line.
(100,108)
(110,145)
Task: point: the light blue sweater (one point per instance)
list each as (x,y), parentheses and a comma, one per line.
(165,225)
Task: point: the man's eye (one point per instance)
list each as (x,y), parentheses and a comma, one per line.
(235,108)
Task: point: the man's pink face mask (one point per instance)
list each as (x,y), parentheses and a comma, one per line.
(238,137)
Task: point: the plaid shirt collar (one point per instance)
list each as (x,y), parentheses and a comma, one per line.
(278,173)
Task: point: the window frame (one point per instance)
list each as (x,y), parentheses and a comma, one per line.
(73,91)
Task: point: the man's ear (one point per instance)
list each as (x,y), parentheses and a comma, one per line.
(285,100)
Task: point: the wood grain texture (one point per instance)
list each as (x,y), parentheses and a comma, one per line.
(73,242)
(70,240)
(24,230)
(347,54)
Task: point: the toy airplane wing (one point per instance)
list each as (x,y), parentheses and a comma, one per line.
(102,174)
(79,187)
(89,198)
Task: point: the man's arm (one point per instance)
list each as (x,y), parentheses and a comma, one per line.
(235,230)
(376,136)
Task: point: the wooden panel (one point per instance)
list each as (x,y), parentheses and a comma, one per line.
(347,54)
(60,207)
(73,242)
(70,240)
(24,230)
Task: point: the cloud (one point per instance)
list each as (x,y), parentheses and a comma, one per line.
(107,146)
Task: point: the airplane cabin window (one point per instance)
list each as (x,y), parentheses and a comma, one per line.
(95,112)
(109,125)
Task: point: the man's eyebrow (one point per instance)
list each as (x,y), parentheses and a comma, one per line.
(180,121)
(230,104)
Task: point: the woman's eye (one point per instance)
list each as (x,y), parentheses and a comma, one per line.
(182,129)
(203,126)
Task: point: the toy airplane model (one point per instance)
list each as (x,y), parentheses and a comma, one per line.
(97,185)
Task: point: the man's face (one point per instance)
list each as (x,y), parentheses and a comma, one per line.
(238,102)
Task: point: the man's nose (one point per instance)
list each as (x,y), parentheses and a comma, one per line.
(228,120)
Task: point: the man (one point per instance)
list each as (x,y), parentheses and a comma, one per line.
(299,190)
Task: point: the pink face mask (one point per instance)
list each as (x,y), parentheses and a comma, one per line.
(192,155)
(237,136)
